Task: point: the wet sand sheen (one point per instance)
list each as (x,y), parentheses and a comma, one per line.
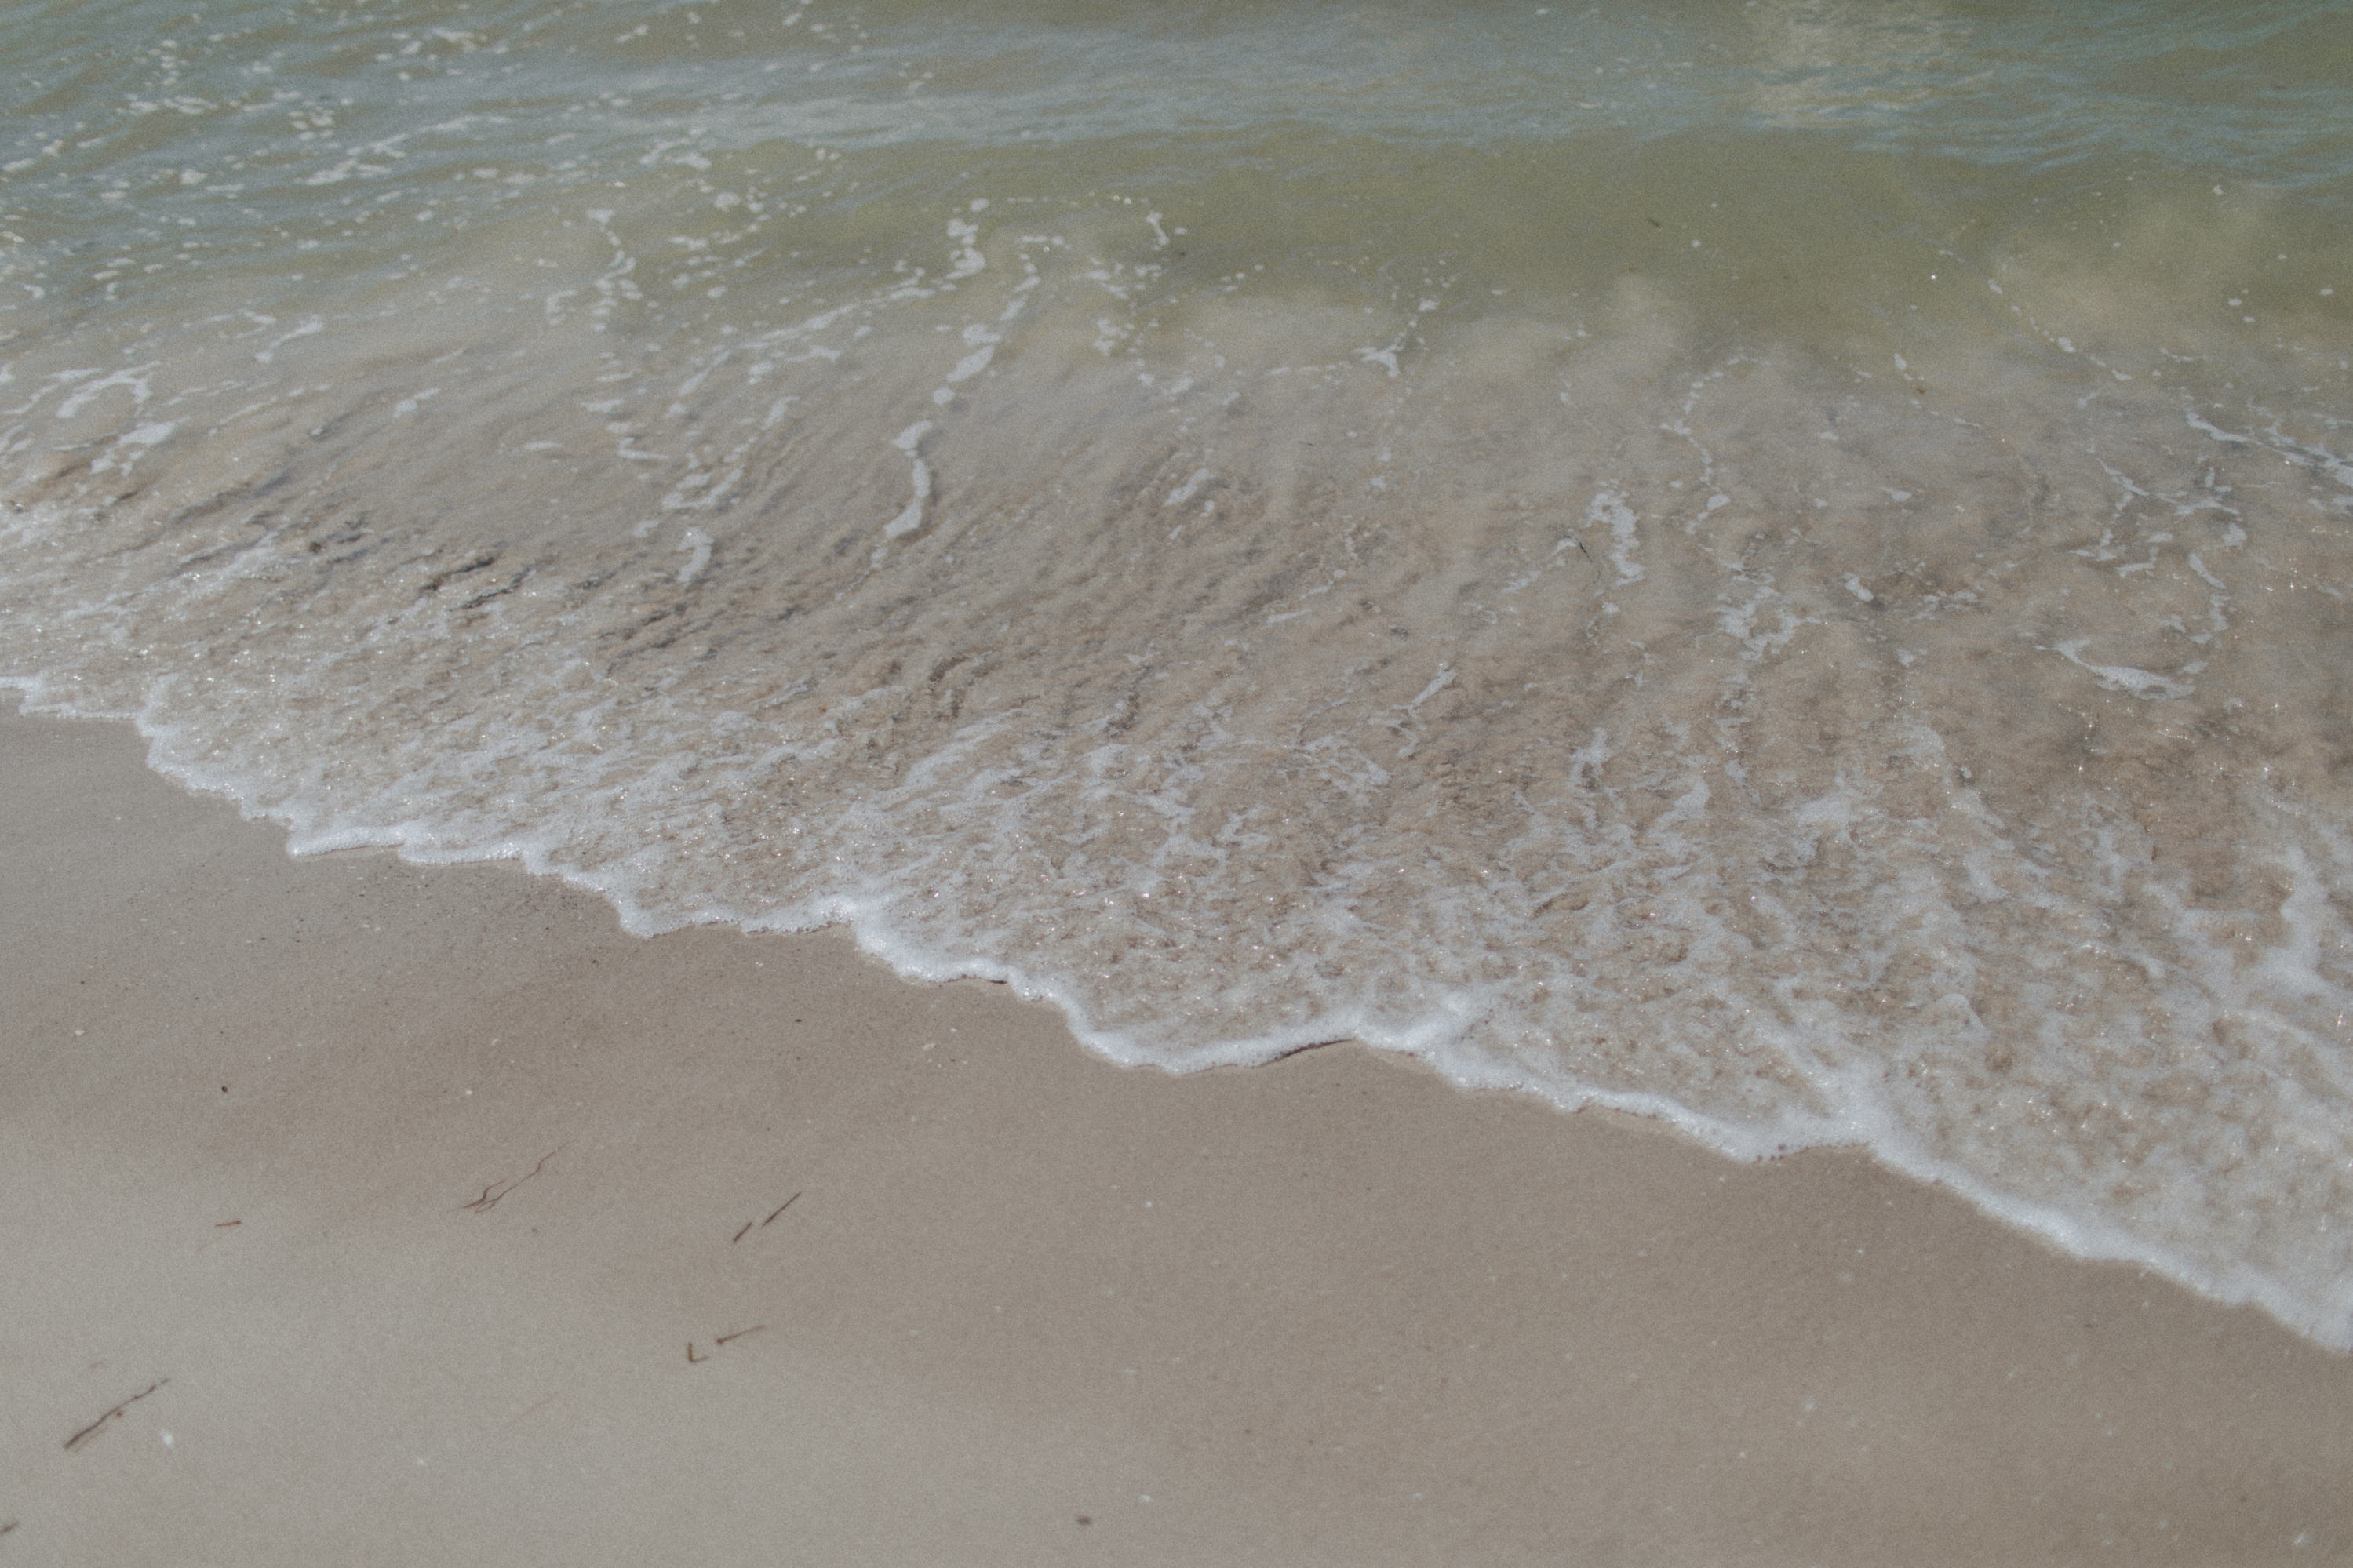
(415,1204)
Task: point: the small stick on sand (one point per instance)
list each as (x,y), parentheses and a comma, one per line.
(87,1433)
(497,1190)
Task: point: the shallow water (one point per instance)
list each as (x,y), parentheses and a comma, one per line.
(1784,570)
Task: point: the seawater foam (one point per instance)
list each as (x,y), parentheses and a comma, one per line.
(1546,637)
(1964,787)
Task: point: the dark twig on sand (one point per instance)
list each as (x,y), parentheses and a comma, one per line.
(498,1190)
(87,1433)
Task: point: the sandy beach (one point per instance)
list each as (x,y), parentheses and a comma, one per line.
(361,1213)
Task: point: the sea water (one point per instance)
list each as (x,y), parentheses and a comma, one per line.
(1781,565)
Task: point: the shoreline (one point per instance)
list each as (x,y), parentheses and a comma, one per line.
(1863,1129)
(398,1196)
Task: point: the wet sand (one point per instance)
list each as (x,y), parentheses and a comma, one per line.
(361,1213)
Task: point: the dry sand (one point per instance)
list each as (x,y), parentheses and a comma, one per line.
(407,1209)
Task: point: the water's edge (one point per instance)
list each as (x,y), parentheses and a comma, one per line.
(1427,1043)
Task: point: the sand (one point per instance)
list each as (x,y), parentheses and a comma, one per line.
(358,1213)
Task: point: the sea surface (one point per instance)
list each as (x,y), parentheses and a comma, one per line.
(1781,565)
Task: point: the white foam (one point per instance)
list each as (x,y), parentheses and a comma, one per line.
(1609,507)
(920,477)
(2121,676)
(698,543)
